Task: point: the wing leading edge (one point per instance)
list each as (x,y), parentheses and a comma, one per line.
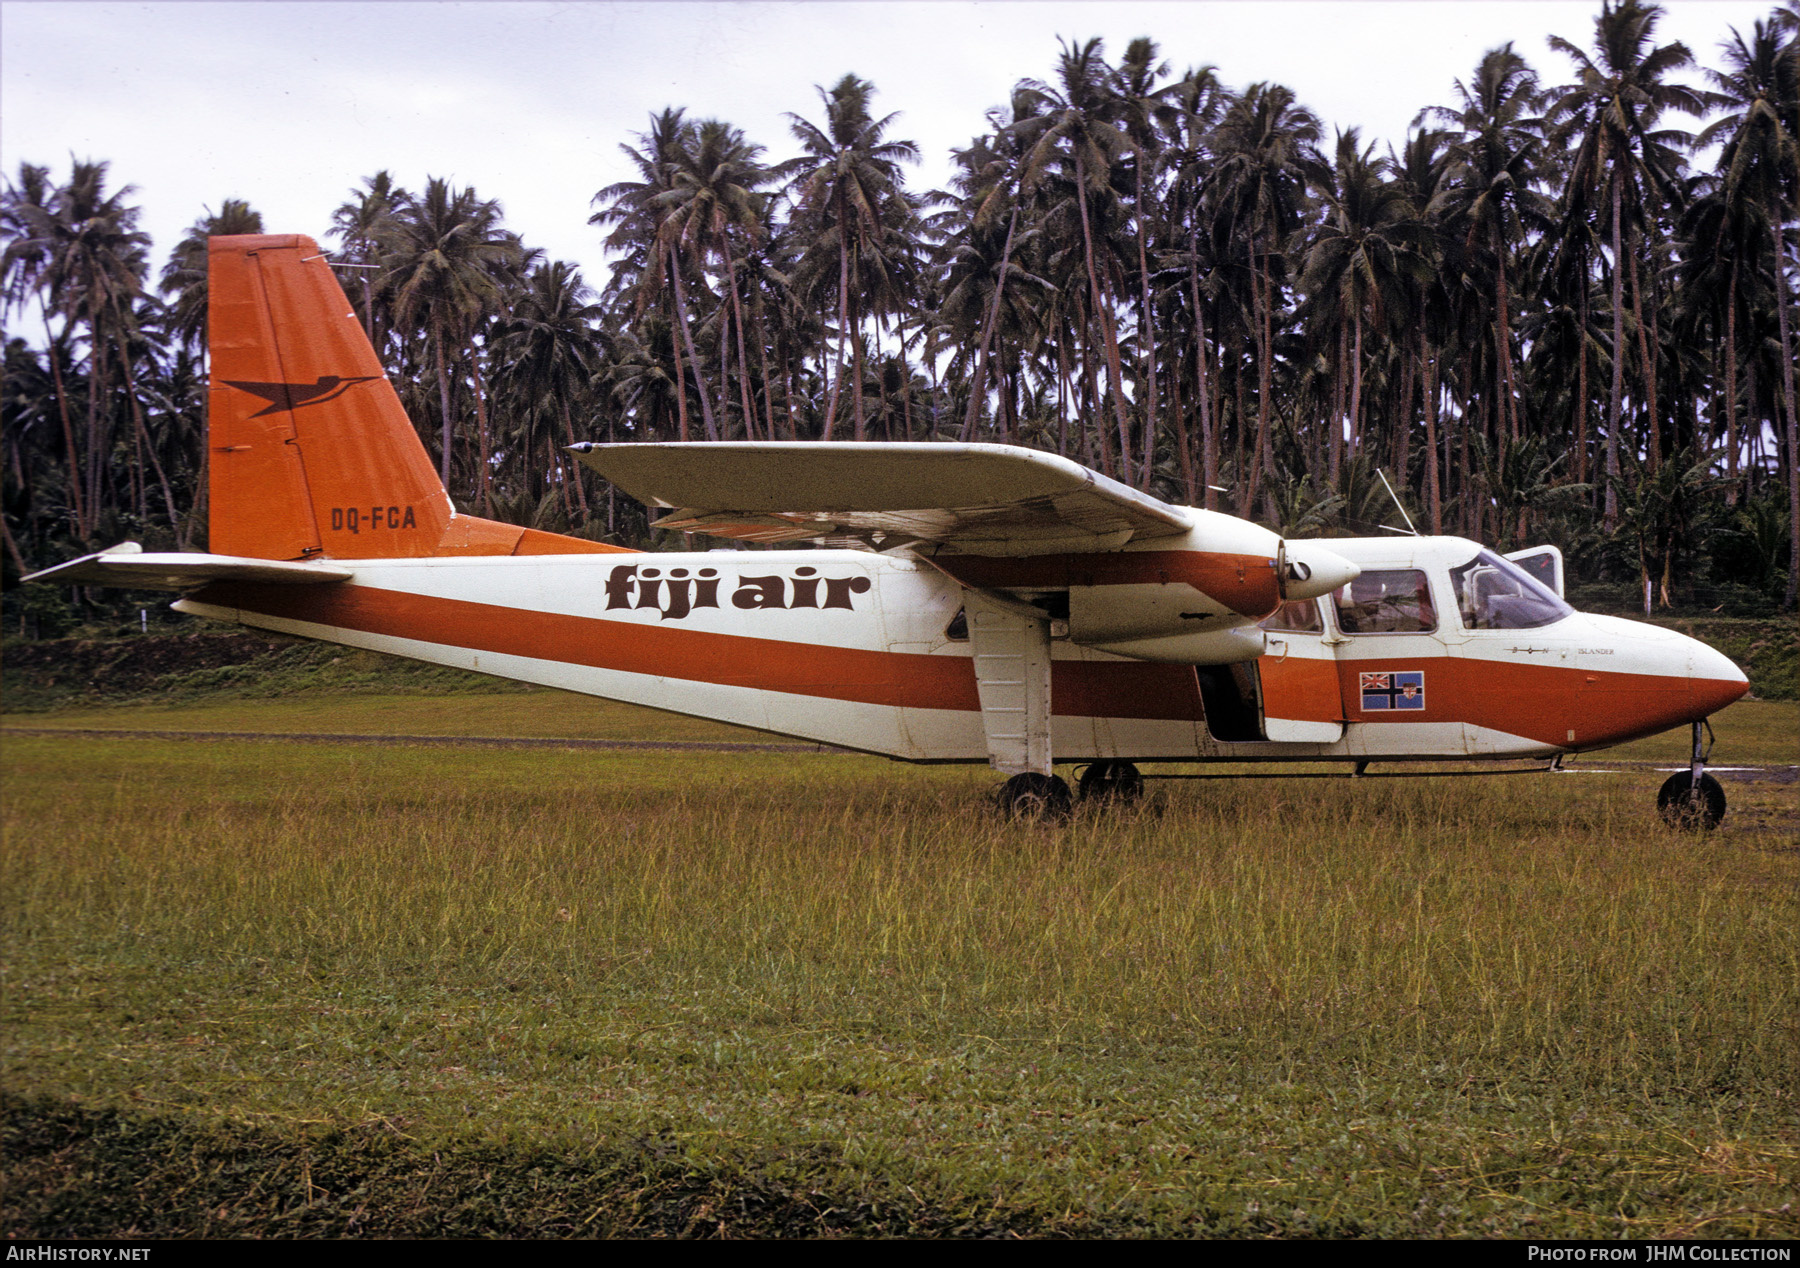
(975,499)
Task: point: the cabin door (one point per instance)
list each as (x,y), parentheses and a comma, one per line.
(1301,703)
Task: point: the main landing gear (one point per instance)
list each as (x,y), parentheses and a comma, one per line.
(1046,797)
(1692,799)
(1115,782)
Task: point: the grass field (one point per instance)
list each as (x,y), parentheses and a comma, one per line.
(333,989)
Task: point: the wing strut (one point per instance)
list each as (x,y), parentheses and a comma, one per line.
(1012,678)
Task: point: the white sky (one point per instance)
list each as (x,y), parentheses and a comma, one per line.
(290,105)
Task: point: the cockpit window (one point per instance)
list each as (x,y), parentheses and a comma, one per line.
(1396,602)
(1496,594)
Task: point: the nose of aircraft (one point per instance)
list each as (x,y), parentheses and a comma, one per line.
(1714,681)
(1312,570)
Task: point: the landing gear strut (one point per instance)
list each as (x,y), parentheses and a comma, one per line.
(1117,782)
(1034,796)
(1692,799)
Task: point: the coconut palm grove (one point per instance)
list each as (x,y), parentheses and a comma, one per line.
(1562,312)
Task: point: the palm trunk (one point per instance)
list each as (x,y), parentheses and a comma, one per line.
(1334,442)
(1581,388)
(1209,441)
(681,410)
(1503,332)
(562,405)
(443,375)
(1788,403)
(737,317)
(1731,431)
(483,452)
(1648,361)
(1261,458)
(70,455)
(1610,518)
(1149,326)
(706,414)
(837,379)
(143,435)
(1115,376)
(978,388)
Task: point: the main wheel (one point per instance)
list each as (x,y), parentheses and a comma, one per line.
(1110,781)
(1683,805)
(1034,796)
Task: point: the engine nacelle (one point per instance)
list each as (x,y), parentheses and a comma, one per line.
(1217,647)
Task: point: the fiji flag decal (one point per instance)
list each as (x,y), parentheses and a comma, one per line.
(1393,690)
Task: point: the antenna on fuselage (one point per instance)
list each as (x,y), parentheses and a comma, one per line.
(1403,515)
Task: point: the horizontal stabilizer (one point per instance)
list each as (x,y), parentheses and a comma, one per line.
(128,566)
(980,499)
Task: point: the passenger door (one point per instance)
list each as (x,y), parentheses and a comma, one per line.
(1300,696)
(1392,660)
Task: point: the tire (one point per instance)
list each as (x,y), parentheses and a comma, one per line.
(1683,806)
(1034,796)
(1117,782)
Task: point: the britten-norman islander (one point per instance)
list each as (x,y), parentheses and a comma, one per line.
(951,602)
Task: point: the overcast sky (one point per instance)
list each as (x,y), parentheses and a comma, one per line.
(290,105)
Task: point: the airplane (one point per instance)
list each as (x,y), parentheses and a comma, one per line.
(925,602)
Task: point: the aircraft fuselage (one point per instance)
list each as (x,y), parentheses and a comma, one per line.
(866,651)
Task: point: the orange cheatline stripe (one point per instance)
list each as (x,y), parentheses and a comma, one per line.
(1541,702)
(1122,689)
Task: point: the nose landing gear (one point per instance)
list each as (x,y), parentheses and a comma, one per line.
(1692,799)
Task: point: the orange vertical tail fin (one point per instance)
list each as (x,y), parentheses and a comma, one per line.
(312,454)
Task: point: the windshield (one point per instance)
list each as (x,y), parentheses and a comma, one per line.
(1496,594)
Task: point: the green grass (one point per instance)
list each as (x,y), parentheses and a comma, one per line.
(545,714)
(332,989)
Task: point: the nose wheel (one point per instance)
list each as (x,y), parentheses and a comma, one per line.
(1692,799)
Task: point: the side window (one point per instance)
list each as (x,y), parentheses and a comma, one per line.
(1298,615)
(1396,602)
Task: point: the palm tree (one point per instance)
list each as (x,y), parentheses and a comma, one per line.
(852,198)
(1265,145)
(713,198)
(1141,104)
(549,357)
(1075,126)
(445,258)
(1615,107)
(1360,261)
(641,214)
(184,276)
(93,269)
(1760,168)
(1422,171)
(1191,111)
(360,226)
(1497,139)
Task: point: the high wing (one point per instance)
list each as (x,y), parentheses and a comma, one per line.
(975,499)
(127,565)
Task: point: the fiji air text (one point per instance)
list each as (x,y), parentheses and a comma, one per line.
(675,592)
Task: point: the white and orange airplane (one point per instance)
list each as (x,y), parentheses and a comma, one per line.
(951,602)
